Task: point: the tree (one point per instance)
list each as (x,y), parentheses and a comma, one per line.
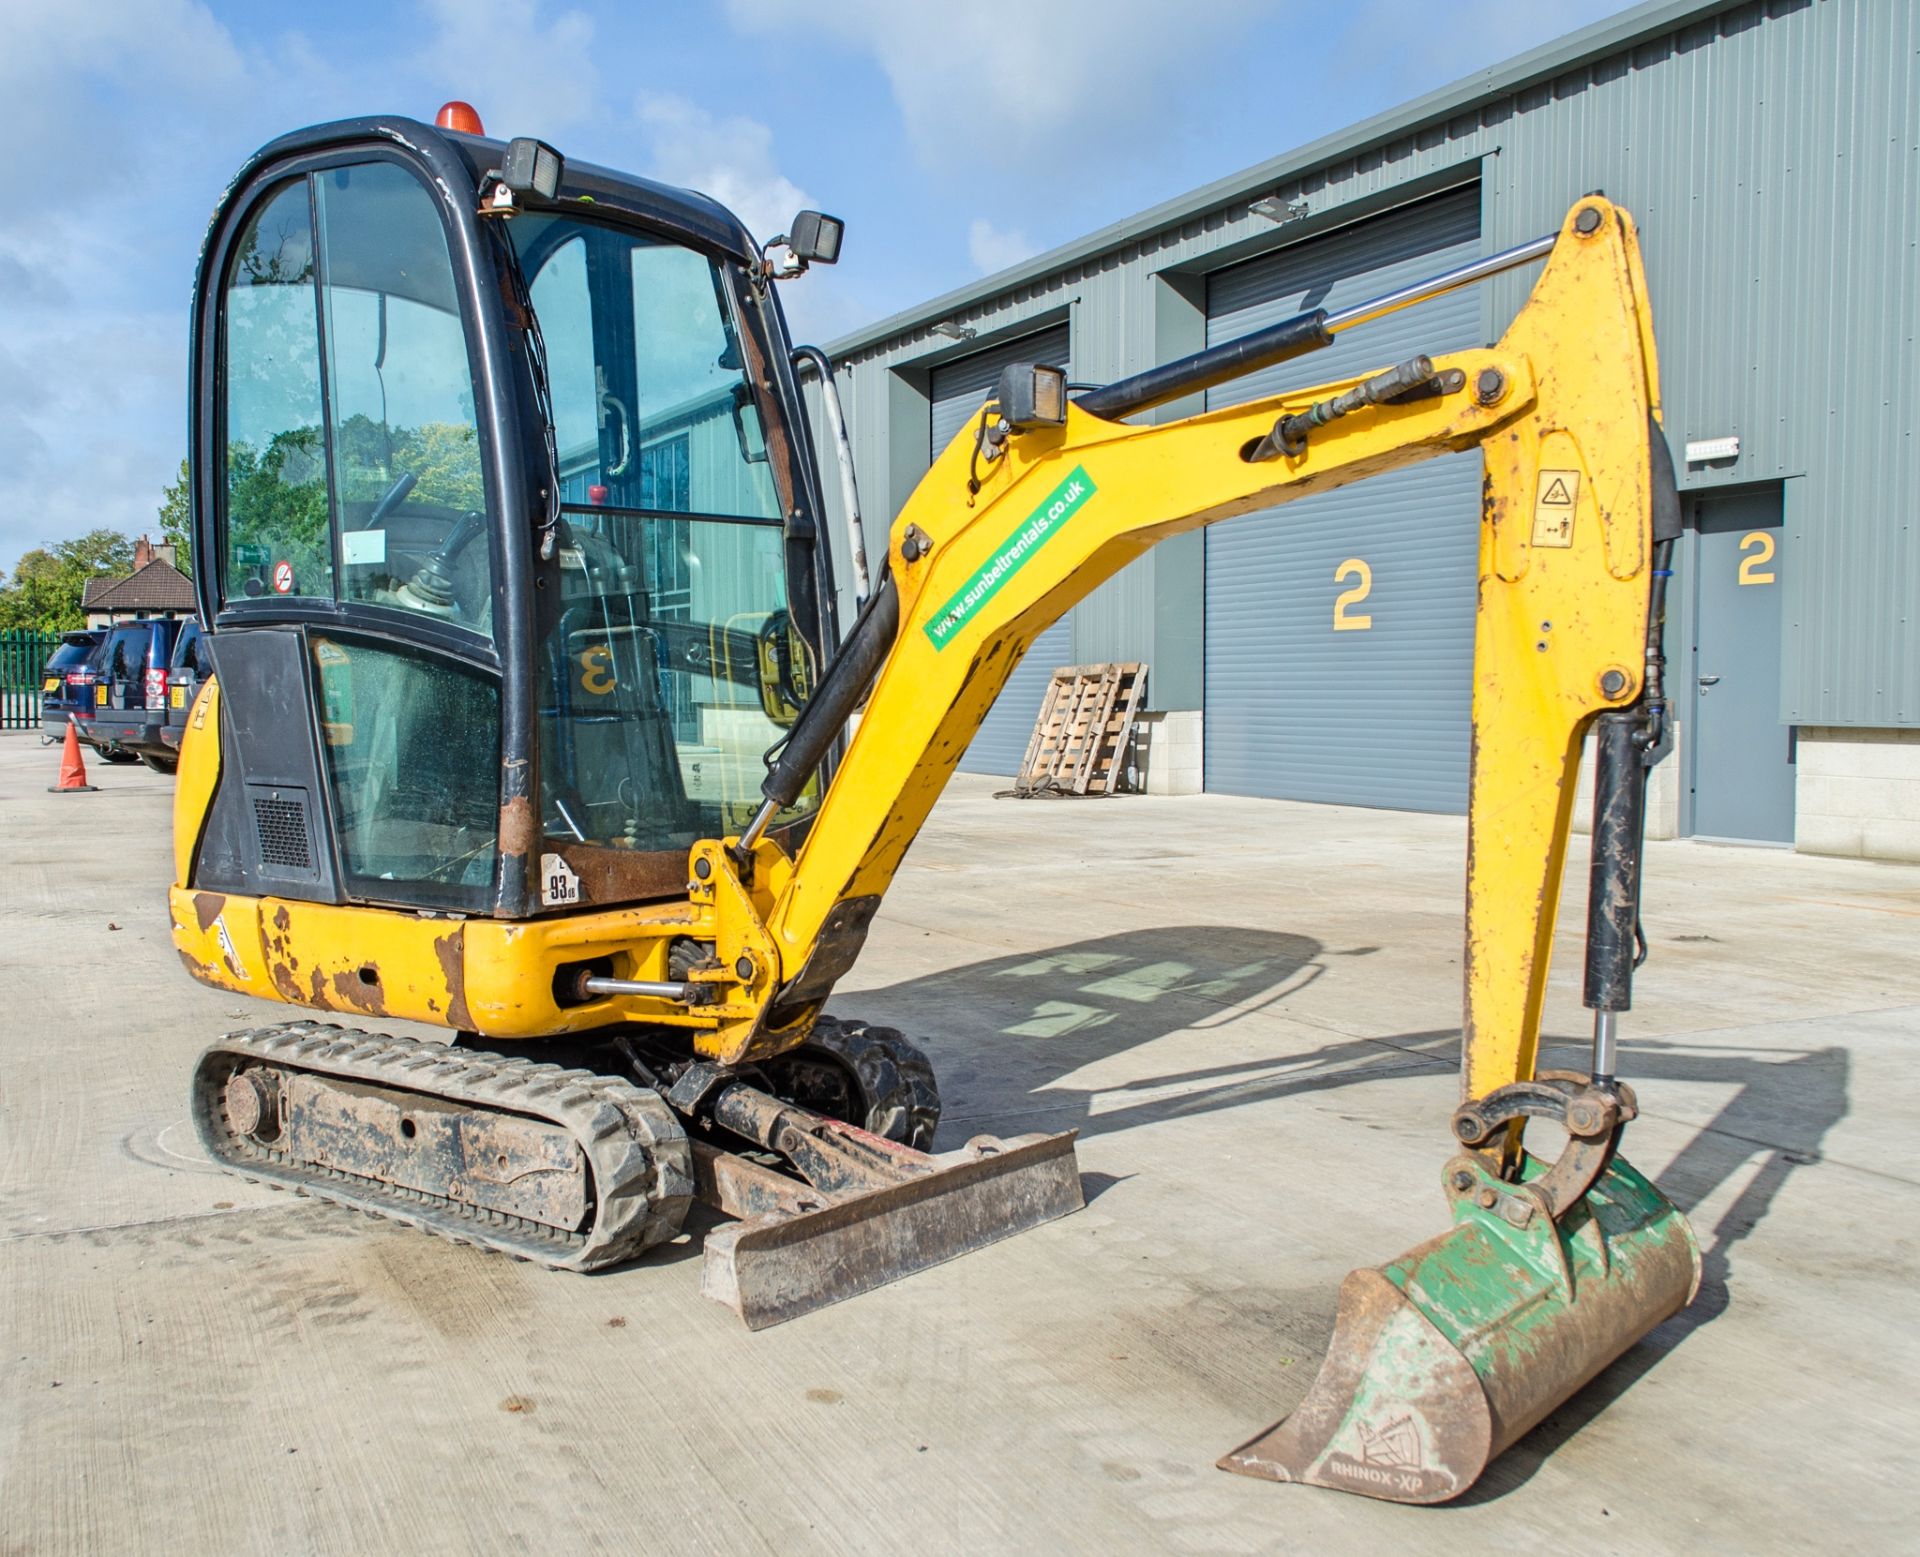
(443,457)
(277,509)
(176,519)
(48,582)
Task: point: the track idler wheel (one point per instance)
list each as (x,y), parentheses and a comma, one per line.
(1443,1358)
(873,1077)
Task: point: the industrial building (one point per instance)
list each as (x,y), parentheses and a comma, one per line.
(1771,155)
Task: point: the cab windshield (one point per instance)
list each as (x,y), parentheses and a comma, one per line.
(668,664)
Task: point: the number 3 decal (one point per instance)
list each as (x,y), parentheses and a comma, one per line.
(1353,568)
(596,670)
(1756,551)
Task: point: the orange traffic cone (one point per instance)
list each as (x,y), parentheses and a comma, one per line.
(73,772)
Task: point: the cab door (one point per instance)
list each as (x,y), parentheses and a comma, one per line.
(355,637)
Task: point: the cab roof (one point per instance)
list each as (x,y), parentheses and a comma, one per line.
(682,212)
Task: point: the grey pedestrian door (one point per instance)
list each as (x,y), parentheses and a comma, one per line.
(1741,770)
(959,389)
(1339,628)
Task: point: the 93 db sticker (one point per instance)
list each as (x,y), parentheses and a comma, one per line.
(559,882)
(1010,556)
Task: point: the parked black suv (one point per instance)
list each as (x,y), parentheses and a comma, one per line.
(130,691)
(66,685)
(190,665)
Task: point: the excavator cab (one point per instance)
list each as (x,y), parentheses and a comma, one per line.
(516,562)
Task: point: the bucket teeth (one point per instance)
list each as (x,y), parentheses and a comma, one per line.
(1447,1356)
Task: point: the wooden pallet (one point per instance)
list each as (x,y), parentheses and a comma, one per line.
(1079,742)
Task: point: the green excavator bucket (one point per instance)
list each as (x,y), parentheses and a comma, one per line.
(1443,1358)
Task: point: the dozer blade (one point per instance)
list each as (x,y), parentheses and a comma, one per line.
(798,1249)
(1448,1355)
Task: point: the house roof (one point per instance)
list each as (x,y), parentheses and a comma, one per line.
(159,586)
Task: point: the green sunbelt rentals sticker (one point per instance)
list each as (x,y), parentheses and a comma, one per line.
(1035,531)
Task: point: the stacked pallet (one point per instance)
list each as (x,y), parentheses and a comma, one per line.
(1079,744)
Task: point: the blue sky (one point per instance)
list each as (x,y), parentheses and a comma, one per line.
(954,139)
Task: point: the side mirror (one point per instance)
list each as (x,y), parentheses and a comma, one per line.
(814,238)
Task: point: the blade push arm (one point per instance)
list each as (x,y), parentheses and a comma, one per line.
(1561,408)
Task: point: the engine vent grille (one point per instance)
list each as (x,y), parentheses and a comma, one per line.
(282,826)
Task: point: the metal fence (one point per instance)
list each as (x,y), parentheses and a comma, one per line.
(23,656)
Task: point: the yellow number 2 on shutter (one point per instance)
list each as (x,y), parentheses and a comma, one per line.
(1756,551)
(1352,568)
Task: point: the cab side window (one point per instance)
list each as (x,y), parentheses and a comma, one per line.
(352,449)
(409,498)
(276,462)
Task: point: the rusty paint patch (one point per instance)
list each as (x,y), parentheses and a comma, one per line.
(316,995)
(624,875)
(451,950)
(285,982)
(203,972)
(282,920)
(206,908)
(518,829)
(355,991)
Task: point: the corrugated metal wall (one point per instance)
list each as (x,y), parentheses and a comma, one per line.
(1772,156)
(958,389)
(1772,159)
(1366,704)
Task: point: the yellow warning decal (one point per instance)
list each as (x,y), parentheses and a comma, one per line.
(1553,505)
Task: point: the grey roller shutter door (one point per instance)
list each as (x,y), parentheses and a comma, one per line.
(1375,715)
(959,388)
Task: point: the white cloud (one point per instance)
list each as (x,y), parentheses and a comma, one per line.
(729,159)
(990,249)
(58,61)
(91,425)
(526,76)
(106,110)
(1409,53)
(1009,79)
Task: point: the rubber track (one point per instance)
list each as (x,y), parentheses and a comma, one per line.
(640,1161)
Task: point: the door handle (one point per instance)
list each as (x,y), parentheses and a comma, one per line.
(1709,681)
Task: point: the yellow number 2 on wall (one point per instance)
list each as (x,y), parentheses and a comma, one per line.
(1756,551)
(1343,621)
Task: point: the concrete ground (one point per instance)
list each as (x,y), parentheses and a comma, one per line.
(1249,1010)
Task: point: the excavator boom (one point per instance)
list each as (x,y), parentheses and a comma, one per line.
(1443,1358)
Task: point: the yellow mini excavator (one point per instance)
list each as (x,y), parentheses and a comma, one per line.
(532,719)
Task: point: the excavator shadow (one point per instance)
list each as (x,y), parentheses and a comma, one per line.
(1034,1020)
